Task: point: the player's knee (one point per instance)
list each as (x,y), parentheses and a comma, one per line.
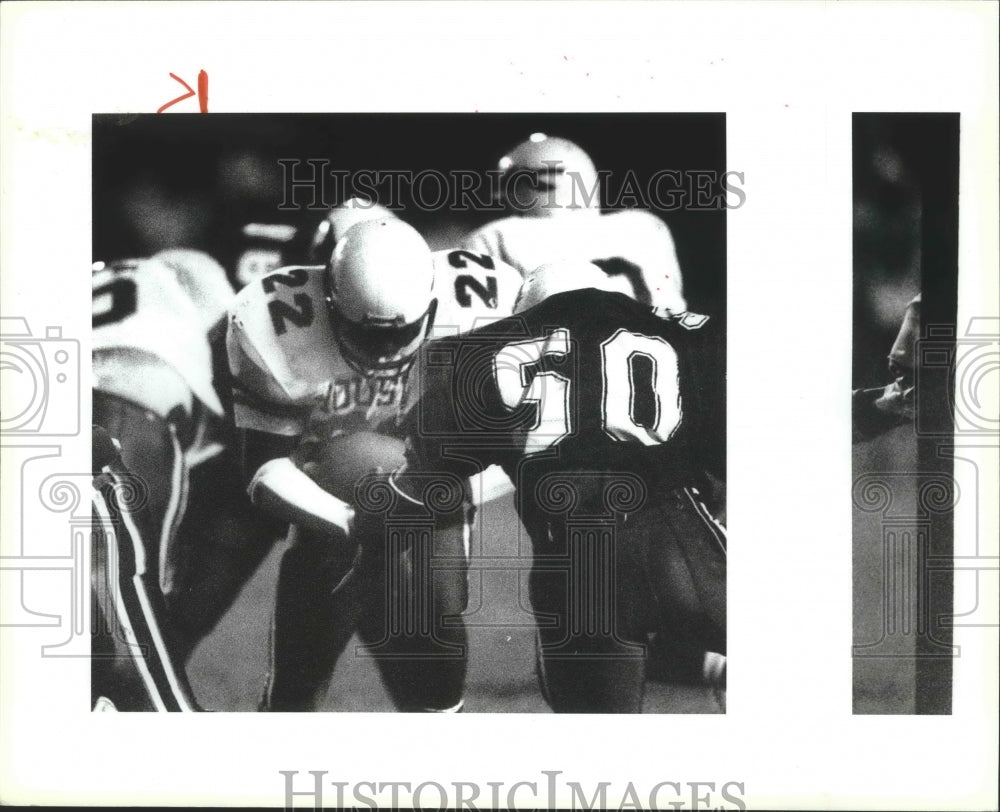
(312,563)
(451,603)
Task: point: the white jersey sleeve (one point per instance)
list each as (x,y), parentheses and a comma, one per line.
(634,244)
(489,240)
(140,312)
(643,244)
(472,289)
(277,338)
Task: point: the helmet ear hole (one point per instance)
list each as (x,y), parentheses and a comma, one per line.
(380,293)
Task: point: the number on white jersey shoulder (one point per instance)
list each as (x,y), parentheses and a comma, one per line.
(472,290)
(280,342)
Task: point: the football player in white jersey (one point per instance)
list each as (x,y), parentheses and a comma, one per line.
(322,352)
(152,368)
(153,392)
(552,188)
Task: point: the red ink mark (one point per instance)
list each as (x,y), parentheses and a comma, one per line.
(187,95)
(202,92)
(566,58)
(666,276)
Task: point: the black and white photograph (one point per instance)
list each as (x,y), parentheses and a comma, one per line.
(906,209)
(461,414)
(307,329)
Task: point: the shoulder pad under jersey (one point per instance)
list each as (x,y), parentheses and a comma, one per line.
(472,290)
(280,342)
(140,306)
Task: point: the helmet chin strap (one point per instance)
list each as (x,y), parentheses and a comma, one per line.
(357,362)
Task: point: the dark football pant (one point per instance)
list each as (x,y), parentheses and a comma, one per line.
(401,587)
(220,543)
(132,666)
(601,583)
(309,628)
(416,574)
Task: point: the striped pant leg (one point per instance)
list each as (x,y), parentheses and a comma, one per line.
(133,669)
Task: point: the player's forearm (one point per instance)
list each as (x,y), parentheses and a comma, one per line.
(280,489)
(869,420)
(259,447)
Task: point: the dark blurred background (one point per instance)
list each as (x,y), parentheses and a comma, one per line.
(888,225)
(193,180)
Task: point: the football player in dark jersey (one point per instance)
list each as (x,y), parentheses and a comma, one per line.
(605,416)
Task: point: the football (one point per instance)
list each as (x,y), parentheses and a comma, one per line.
(340,462)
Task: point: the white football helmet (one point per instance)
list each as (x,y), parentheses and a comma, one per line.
(546,176)
(380,294)
(559,277)
(338,220)
(202,279)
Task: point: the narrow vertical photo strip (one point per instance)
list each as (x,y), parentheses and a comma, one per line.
(410,412)
(906,207)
